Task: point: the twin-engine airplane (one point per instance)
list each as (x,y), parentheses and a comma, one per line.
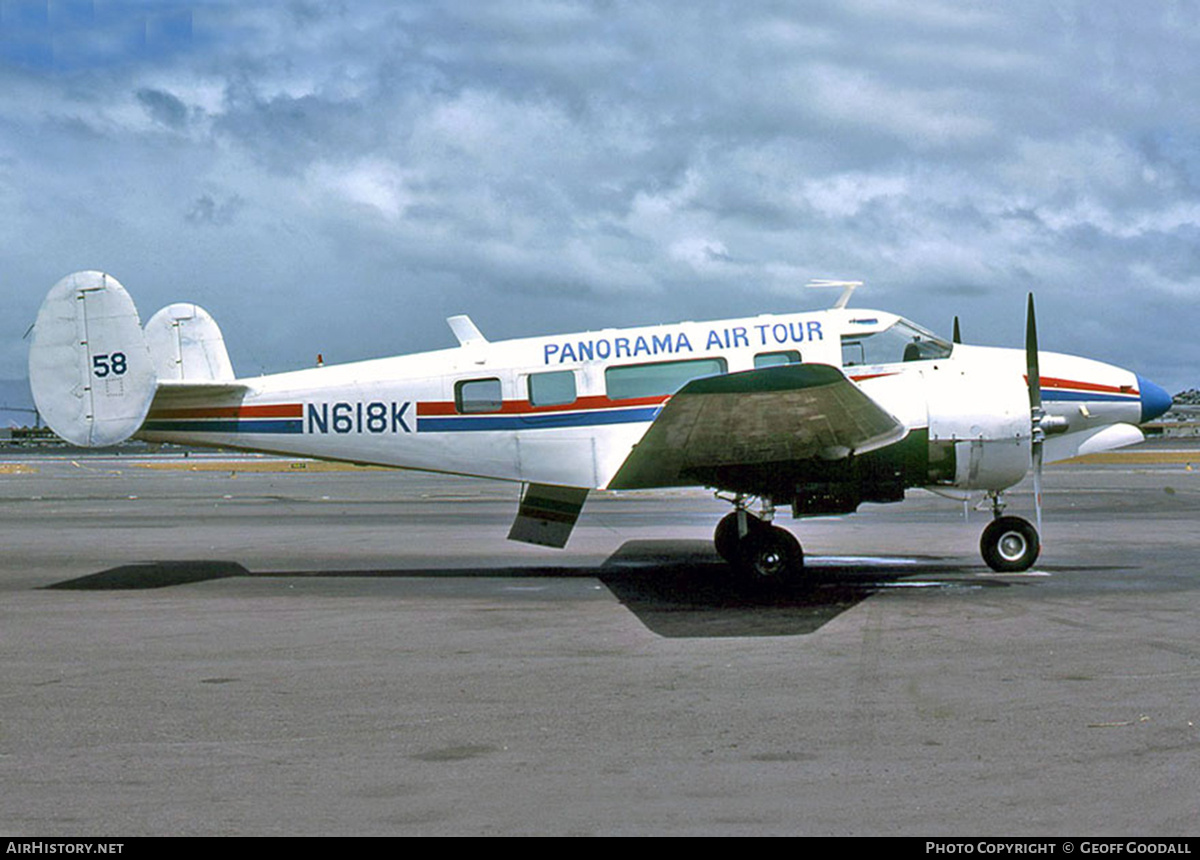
(818,411)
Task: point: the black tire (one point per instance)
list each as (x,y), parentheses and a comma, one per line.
(726,538)
(1010,545)
(771,555)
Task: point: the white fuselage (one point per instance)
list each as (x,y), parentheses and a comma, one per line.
(568,409)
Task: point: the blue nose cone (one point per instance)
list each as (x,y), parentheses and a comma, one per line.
(1155,400)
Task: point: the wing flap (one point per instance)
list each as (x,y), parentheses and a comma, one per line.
(777,414)
(547,515)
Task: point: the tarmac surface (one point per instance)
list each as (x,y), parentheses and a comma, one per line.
(242,646)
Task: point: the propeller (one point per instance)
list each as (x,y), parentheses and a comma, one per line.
(1036,413)
(957,333)
(1041,424)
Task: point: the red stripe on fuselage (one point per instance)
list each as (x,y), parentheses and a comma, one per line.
(1075,385)
(515,407)
(271,410)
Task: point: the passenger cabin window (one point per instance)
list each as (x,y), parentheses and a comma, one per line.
(478,395)
(553,388)
(774,359)
(663,377)
(901,341)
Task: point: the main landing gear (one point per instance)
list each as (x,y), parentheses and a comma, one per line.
(1009,544)
(757,549)
(763,552)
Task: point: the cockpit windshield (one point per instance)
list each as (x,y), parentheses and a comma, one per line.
(901,341)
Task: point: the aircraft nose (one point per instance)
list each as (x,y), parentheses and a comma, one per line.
(1155,400)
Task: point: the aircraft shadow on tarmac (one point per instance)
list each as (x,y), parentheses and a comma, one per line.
(682,589)
(677,588)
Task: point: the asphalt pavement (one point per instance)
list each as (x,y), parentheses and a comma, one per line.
(241,646)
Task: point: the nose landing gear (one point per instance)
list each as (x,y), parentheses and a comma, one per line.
(1009,544)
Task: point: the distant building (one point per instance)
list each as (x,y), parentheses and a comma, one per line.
(1183,419)
(16,404)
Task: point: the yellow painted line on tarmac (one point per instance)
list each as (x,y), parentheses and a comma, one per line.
(1134,458)
(17,469)
(189,465)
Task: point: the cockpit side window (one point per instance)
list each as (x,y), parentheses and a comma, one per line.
(901,341)
(853,351)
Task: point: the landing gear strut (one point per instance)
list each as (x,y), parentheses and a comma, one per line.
(1009,544)
(755,548)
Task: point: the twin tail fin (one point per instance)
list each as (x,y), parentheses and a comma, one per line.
(94,370)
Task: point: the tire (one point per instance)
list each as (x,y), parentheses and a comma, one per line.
(771,555)
(726,538)
(1010,545)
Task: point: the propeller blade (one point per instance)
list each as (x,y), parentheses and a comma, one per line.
(957,333)
(1031,358)
(1036,414)
(1037,483)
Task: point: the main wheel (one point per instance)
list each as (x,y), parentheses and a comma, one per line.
(770,554)
(726,537)
(1010,544)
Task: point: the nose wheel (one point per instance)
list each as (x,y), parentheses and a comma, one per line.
(1010,545)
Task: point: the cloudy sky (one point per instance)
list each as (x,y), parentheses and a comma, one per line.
(339,178)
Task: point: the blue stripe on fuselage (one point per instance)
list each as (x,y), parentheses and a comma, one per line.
(460,423)
(234,425)
(1075,396)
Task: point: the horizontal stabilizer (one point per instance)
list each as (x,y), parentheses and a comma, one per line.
(204,387)
(89,367)
(783,414)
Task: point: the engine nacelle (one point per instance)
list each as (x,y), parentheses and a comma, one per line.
(979,428)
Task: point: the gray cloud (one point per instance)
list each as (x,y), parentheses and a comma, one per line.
(206,210)
(163,107)
(560,165)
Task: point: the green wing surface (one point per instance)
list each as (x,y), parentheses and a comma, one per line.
(776,415)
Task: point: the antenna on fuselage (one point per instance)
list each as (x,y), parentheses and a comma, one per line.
(848,287)
(467,332)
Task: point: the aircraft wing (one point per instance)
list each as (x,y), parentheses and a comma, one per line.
(785,414)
